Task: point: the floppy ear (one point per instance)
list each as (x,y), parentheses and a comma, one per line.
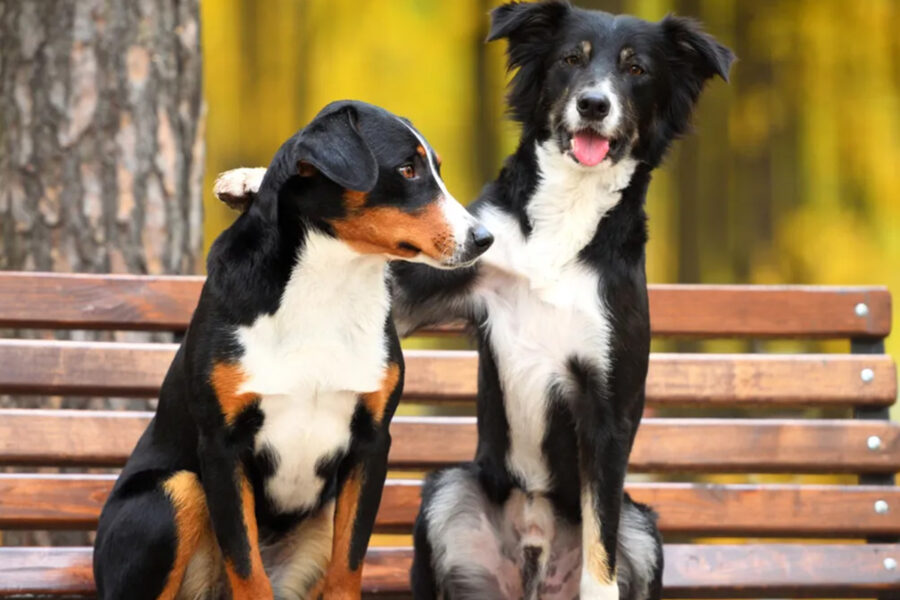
(332,144)
(698,50)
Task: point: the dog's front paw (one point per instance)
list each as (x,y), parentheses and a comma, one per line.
(591,589)
(237,188)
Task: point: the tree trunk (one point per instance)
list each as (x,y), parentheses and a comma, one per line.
(101,151)
(101,136)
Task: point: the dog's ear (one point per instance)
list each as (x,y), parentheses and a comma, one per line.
(521,21)
(699,51)
(530,28)
(331,144)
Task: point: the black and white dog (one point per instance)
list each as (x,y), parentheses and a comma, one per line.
(559,307)
(559,304)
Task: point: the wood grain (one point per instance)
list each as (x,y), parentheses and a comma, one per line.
(106,438)
(111,368)
(166,303)
(87,301)
(30,501)
(692,571)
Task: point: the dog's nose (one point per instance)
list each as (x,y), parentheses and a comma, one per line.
(481,238)
(593,106)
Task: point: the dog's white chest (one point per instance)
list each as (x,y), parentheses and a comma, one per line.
(309,362)
(304,432)
(545,307)
(537,325)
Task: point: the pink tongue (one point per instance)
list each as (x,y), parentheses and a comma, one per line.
(589,148)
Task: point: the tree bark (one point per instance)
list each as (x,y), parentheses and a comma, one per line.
(101,136)
(101,152)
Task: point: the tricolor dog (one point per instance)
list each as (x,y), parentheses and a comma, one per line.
(262,471)
(559,309)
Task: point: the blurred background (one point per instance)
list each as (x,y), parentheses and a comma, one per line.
(791,174)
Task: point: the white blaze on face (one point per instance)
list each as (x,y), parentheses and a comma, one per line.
(456,215)
(612,121)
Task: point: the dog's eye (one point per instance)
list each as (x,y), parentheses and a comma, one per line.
(636,70)
(408,171)
(573,60)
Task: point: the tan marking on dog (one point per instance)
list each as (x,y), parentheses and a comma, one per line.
(340,581)
(586,48)
(192,526)
(256,586)
(381,229)
(595,557)
(420,150)
(306,553)
(376,402)
(226,380)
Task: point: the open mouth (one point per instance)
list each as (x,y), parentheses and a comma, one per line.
(589,148)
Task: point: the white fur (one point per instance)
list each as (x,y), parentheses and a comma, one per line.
(611,122)
(233,187)
(591,589)
(310,360)
(544,307)
(639,550)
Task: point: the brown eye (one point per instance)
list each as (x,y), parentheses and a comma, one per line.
(408,171)
(635,70)
(572,60)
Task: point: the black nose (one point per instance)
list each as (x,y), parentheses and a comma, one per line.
(481,237)
(593,106)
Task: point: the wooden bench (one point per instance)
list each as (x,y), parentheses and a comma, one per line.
(720,421)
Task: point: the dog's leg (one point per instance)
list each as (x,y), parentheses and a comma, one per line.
(231,508)
(138,542)
(640,554)
(604,438)
(359,495)
(459,553)
(185,492)
(229,493)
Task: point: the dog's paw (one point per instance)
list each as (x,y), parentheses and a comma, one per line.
(591,589)
(237,188)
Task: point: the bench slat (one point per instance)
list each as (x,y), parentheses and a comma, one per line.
(167,302)
(137,369)
(106,438)
(74,502)
(692,571)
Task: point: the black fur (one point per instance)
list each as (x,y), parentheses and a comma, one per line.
(657,71)
(348,147)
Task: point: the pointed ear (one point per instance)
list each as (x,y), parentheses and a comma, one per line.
(332,144)
(521,21)
(696,49)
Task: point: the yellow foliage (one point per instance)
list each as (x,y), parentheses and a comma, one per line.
(793,170)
